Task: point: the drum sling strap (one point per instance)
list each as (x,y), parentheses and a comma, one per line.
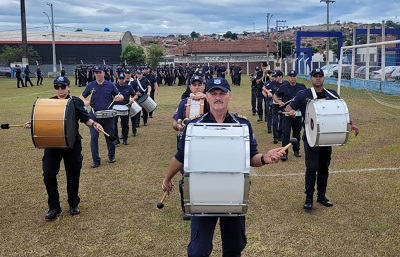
(315,94)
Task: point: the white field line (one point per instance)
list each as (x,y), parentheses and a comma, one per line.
(254,174)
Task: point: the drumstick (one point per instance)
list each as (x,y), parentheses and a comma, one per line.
(7,126)
(111,137)
(110,104)
(292,141)
(160,204)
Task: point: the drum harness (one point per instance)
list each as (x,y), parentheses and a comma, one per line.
(315,94)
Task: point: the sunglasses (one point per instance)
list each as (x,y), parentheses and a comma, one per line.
(57,87)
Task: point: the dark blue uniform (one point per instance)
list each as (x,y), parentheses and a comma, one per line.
(256,95)
(142,88)
(276,117)
(233,229)
(39,76)
(72,161)
(287,92)
(27,74)
(127,91)
(152,79)
(317,159)
(101,98)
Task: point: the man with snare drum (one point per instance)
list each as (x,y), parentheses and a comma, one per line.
(218,94)
(72,156)
(103,94)
(317,159)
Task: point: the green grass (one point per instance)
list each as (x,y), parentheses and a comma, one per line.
(118,201)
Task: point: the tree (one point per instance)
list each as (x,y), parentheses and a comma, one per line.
(11,54)
(194,35)
(133,54)
(230,35)
(154,54)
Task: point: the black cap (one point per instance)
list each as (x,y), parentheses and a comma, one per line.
(121,76)
(98,68)
(218,83)
(61,80)
(256,68)
(139,72)
(292,72)
(317,71)
(278,73)
(196,78)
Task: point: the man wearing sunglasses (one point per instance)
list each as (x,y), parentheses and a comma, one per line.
(72,156)
(103,94)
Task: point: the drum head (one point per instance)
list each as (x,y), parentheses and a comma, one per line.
(120,107)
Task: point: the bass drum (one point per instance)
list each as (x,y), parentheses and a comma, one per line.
(219,186)
(327,122)
(53,123)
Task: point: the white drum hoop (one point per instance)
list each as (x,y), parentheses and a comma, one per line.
(134,109)
(104,114)
(327,122)
(122,110)
(219,186)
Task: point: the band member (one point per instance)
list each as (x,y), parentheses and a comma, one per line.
(153,83)
(72,156)
(27,73)
(257,98)
(39,76)
(182,114)
(283,96)
(18,75)
(143,86)
(318,159)
(129,97)
(103,94)
(232,228)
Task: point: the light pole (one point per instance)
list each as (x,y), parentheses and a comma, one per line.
(327,29)
(269,16)
(53,44)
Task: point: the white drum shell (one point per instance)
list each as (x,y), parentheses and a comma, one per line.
(147,103)
(135,109)
(195,107)
(327,122)
(216,166)
(122,110)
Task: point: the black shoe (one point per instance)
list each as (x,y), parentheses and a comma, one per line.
(151,116)
(275,141)
(145,124)
(95,165)
(74,211)
(117,142)
(284,158)
(308,204)
(52,214)
(111,160)
(297,154)
(186,217)
(125,142)
(269,131)
(254,114)
(324,201)
(260,119)
(137,125)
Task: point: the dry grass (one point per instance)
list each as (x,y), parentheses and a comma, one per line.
(119,215)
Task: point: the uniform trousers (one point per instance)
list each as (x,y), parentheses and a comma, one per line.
(233,235)
(317,161)
(257,100)
(51,166)
(108,126)
(291,125)
(19,80)
(268,112)
(124,127)
(276,122)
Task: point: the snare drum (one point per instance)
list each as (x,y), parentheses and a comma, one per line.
(53,123)
(219,186)
(327,122)
(194,107)
(147,103)
(122,110)
(135,109)
(104,114)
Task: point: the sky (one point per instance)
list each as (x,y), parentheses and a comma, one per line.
(161,17)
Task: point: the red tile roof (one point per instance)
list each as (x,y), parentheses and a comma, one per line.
(239,46)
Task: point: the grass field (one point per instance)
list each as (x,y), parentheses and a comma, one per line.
(118,201)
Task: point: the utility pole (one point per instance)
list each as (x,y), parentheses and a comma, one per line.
(269,16)
(53,44)
(327,29)
(24,43)
(279,28)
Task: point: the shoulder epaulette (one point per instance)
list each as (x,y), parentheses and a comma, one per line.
(241,116)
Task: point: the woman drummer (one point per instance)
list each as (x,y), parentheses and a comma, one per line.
(72,156)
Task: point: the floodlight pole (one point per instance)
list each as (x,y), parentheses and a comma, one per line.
(53,43)
(327,29)
(269,16)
